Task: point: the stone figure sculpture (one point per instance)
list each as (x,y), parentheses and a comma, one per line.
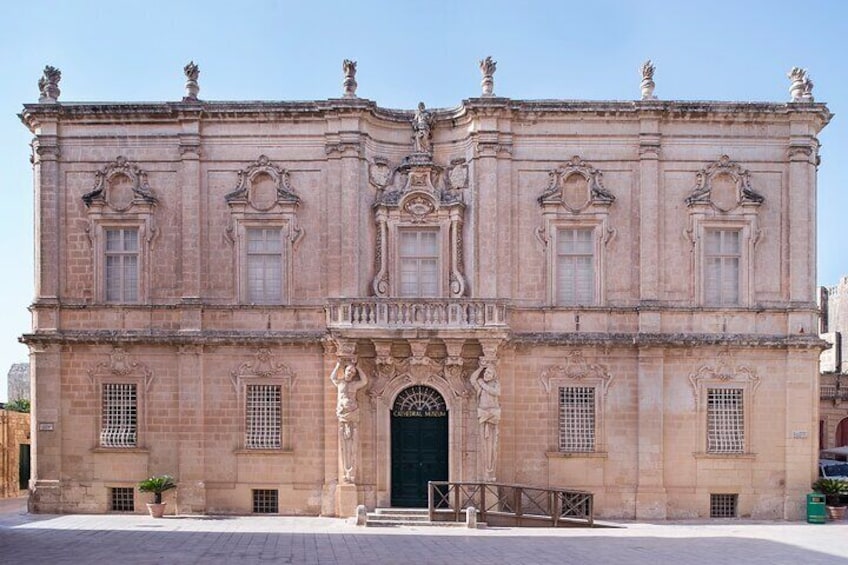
(349,68)
(347,411)
(488,68)
(48,84)
(421,125)
(485,383)
(801,89)
(648,81)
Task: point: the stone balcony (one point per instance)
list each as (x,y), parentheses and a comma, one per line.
(414,314)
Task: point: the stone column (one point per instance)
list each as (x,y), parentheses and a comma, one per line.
(801,408)
(649,208)
(48,201)
(191,494)
(651,497)
(192,212)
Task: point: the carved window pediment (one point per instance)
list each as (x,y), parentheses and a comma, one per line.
(576,186)
(723,185)
(576,368)
(119,186)
(263,186)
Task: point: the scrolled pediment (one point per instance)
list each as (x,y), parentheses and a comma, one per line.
(263,185)
(576,367)
(723,372)
(724,185)
(120,185)
(121,365)
(576,185)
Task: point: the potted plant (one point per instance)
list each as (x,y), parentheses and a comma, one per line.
(832,489)
(157,484)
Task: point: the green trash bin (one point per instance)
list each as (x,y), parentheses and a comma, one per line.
(815,508)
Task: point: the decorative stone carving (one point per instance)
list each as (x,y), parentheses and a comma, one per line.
(576,367)
(457,176)
(576,196)
(120,365)
(487,69)
(422,123)
(488,389)
(263,366)
(723,372)
(801,89)
(347,411)
(349,68)
(192,73)
(724,185)
(648,81)
(248,189)
(120,185)
(380,174)
(48,85)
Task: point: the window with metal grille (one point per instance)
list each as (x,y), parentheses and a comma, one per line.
(722,255)
(725,420)
(577,419)
(119,423)
(264,266)
(575,266)
(419,263)
(263,411)
(121,499)
(723,505)
(266,501)
(122,265)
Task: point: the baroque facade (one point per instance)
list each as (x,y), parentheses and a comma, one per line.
(833,414)
(299,307)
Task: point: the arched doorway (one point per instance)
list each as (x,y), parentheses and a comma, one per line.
(842,433)
(419,436)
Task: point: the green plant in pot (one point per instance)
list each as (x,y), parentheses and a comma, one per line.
(157,484)
(833,490)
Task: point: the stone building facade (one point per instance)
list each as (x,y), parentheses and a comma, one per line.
(298,307)
(15,454)
(17,382)
(833,415)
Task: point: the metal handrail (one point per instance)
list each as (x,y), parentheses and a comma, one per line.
(510,504)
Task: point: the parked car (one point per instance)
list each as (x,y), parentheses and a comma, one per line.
(833,469)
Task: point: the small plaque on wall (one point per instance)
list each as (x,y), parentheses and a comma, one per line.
(45,426)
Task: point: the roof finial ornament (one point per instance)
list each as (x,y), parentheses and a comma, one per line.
(349,84)
(48,85)
(192,73)
(488,68)
(801,89)
(648,81)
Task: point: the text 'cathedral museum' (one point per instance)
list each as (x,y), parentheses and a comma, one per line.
(303,307)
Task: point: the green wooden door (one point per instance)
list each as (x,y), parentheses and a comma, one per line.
(419,447)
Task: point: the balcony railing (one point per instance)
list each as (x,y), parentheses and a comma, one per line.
(833,392)
(429,313)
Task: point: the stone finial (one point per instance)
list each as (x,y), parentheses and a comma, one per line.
(192,73)
(349,68)
(801,89)
(488,68)
(48,85)
(648,81)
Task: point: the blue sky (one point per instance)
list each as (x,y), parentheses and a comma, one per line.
(406,52)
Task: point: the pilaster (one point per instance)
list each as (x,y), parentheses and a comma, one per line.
(651,496)
(190,186)
(46,429)
(48,235)
(191,452)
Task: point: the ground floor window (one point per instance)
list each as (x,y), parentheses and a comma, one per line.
(122,499)
(723,505)
(266,501)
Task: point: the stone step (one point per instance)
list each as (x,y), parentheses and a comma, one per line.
(418,517)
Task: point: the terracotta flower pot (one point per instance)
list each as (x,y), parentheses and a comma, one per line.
(835,512)
(158,510)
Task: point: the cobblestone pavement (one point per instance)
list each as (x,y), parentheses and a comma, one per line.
(244,540)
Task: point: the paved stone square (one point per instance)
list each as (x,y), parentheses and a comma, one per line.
(136,539)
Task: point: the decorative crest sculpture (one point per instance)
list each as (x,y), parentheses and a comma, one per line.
(801,89)
(48,85)
(192,72)
(349,68)
(488,68)
(648,81)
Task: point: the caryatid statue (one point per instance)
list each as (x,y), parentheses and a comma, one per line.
(485,383)
(347,411)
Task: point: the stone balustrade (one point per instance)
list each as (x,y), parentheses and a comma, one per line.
(415,313)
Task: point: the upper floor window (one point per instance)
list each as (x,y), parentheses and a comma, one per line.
(419,262)
(119,415)
(121,257)
(722,256)
(264,230)
(264,265)
(122,230)
(575,266)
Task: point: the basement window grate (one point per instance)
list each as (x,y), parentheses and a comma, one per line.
(121,499)
(266,501)
(723,505)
